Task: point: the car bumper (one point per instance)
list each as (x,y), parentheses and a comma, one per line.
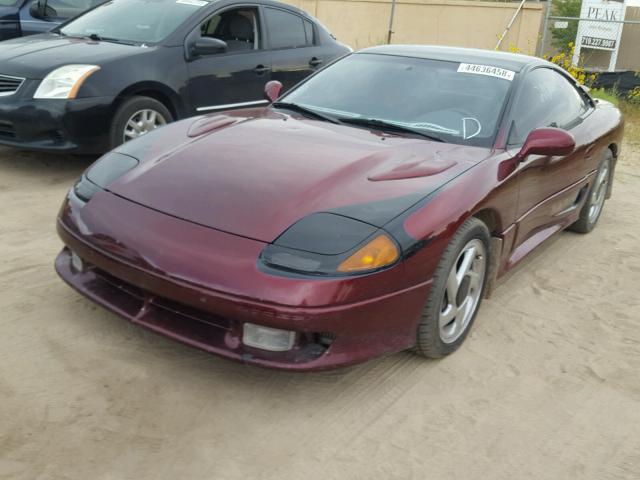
(78,126)
(327,335)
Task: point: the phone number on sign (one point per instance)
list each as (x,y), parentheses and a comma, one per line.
(598,42)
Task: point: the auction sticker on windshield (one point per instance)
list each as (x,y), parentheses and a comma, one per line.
(487,70)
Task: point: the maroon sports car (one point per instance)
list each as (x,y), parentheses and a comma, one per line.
(367,211)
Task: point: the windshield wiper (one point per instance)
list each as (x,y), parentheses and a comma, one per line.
(100,38)
(382,124)
(307,111)
(96,38)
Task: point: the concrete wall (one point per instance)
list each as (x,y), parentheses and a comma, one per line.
(362,23)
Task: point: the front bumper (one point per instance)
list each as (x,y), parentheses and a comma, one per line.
(78,126)
(212,319)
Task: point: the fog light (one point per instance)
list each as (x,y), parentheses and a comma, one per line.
(76,262)
(267,338)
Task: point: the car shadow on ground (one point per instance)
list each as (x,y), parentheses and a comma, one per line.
(24,165)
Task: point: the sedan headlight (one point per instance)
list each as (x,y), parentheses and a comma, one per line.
(330,244)
(64,82)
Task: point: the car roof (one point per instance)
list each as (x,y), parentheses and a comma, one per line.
(276,3)
(511,61)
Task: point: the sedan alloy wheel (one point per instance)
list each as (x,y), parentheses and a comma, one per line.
(141,123)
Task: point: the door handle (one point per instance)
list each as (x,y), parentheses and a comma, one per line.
(315,61)
(260,69)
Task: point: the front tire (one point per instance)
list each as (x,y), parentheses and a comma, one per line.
(592,208)
(456,292)
(137,116)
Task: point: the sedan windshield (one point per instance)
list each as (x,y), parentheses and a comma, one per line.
(445,100)
(139,21)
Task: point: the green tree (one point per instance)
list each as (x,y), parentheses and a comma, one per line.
(561,37)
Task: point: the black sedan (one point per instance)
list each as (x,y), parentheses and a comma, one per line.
(129,66)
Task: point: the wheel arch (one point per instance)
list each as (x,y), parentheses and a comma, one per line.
(158,91)
(614,151)
(491,218)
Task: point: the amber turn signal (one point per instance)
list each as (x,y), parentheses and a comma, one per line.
(379,252)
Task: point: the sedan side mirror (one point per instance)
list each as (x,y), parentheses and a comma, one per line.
(204,46)
(272,90)
(547,141)
(37,9)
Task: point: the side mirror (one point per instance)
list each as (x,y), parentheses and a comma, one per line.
(36,10)
(547,141)
(204,46)
(272,90)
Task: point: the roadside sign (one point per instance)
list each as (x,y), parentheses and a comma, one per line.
(600,27)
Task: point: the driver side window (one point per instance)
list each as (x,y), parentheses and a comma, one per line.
(547,99)
(239,28)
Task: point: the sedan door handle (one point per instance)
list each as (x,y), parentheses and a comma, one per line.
(260,69)
(315,61)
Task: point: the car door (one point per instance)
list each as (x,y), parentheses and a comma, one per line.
(234,78)
(550,189)
(294,46)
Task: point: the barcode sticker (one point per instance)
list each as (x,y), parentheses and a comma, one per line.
(487,70)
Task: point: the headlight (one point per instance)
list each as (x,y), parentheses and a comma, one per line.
(64,82)
(330,244)
(102,173)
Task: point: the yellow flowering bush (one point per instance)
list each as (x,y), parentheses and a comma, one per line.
(634,96)
(565,60)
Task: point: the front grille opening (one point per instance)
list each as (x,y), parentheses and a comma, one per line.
(325,338)
(9,85)
(192,313)
(314,344)
(165,303)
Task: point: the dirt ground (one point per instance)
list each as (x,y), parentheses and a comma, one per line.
(546,387)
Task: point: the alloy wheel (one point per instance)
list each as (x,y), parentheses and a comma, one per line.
(463,291)
(141,123)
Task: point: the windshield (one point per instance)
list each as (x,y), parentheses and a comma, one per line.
(8,3)
(139,21)
(447,100)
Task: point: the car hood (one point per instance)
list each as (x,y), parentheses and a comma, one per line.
(35,56)
(255,173)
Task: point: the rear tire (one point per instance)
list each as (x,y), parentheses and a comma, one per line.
(137,116)
(593,206)
(456,292)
